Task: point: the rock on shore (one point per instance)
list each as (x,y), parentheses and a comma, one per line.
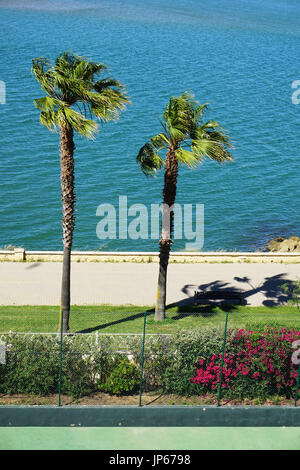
(284,244)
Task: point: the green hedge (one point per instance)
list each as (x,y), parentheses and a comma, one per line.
(32,365)
(185,364)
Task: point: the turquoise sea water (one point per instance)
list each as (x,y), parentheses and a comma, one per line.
(240,56)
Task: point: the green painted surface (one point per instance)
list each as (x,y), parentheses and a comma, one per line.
(143,438)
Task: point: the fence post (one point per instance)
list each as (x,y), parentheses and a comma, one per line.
(297,386)
(142,361)
(60,357)
(222,362)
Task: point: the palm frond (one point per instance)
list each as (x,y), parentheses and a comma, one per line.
(48,103)
(211,149)
(106,105)
(199,112)
(86,70)
(180,116)
(50,119)
(160,141)
(41,68)
(184,132)
(150,162)
(71,81)
(188,158)
(101,85)
(83,126)
(49,111)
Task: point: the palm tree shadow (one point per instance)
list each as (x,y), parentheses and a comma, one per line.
(187,307)
(32,265)
(271,288)
(117,322)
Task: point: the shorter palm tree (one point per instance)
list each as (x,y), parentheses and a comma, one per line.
(71,82)
(187,141)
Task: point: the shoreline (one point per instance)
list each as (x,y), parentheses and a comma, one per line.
(22,255)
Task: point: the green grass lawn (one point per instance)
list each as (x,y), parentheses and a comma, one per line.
(129,319)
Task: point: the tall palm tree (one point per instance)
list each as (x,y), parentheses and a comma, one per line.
(72,82)
(182,128)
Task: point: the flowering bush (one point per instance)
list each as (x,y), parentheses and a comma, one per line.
(182,358)
(256,364)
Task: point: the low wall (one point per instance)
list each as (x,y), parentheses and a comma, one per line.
(21,255)
(128,416)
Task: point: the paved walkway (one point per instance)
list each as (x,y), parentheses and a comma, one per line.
(132,283)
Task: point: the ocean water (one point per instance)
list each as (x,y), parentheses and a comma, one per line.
(241,56)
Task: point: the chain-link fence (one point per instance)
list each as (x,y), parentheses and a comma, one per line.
(208,354)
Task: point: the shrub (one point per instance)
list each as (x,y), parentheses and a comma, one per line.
(76,374)
(32,365)
(85,365)
(182,359)
(256,365)
(156,359)
(124,378)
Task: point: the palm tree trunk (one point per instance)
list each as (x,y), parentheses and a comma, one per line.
(68,202)
(165,243)
(65,289)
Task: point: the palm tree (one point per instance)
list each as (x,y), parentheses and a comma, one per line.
(182,128)
(72,82)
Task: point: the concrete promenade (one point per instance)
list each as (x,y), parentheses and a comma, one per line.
(135,283)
